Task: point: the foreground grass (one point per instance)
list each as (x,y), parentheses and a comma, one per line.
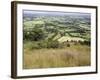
(76,55)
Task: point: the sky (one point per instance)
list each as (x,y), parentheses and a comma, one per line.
(34,12)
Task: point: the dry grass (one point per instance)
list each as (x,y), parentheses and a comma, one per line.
(76,55)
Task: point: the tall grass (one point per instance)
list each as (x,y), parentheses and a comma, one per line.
(75,55)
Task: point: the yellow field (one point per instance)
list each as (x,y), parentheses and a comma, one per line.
(75,55)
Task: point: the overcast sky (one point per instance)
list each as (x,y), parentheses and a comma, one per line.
(54,13)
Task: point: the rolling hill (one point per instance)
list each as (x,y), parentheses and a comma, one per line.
(56,26)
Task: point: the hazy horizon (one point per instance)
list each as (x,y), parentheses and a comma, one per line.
(54,13)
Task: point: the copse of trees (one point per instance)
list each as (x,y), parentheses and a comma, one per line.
(86,42)
(44,44)
(34,35)
(53,44)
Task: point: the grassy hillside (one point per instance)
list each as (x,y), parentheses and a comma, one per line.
(56,40)
(49,58)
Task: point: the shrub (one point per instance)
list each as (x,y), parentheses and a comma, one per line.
(68,45)
(61,45)
(53,44)
(81,42)
(87,43)
(35,46)
(42,44)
